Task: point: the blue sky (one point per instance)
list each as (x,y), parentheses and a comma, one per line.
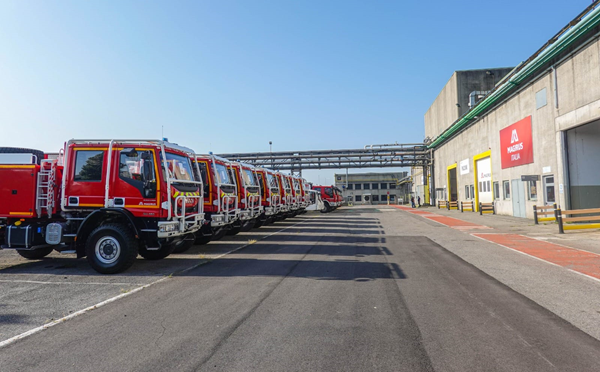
(230,76)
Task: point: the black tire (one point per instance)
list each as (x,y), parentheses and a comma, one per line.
(203,239)
(116,248)
(18,150)
(185,244)
(219,233)
(326,208)
(157,254)
(36,254)
(234,230)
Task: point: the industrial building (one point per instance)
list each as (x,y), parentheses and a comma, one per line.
(372,188)
(524,136)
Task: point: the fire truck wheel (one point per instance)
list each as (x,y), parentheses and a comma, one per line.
(234,230)
(157,254)
(17,150)
(184,245)
(111,248)
(35,254)
(203,239)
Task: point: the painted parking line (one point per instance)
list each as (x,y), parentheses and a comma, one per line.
(581,262)
(4,343)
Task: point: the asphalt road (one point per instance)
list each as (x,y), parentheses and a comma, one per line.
(344,291)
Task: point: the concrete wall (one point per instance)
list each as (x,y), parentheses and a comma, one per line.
(444,109)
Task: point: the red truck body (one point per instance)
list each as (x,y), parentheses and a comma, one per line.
(104,199)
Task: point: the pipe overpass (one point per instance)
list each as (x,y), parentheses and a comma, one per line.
(371,156)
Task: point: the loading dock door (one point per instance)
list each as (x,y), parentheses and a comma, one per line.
(583,151)
(484,180)
(518,198)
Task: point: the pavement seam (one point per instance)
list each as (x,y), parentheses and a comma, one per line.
(33,331)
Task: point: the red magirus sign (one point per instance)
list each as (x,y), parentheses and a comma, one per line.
(516,144)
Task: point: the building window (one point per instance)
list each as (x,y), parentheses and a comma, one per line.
(375,198)
(540,99)
(357,198)
(349,186)
(367,186)
(375,186)
(472,191)
(532,190)
(496,190)
(392,198)
(506,188)
(392,185)
(467,192)
(88,166)
(384,186)
(357,186)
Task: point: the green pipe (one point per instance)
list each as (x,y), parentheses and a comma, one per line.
(569,37)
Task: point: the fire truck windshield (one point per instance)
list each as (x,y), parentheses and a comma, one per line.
(249,178)
(180,167)
(223,174)
(272,181)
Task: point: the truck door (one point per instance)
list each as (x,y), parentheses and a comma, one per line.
(135,184)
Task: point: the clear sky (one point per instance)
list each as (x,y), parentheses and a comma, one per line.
(230,76)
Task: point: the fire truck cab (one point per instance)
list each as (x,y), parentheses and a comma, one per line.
(249,195)
(220,198)
(270,196)
(106,200)
(285,193)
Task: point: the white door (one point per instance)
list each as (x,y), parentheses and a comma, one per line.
(518,198)
(549,195)
(484,180)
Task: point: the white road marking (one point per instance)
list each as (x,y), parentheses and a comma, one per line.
(123,295)
(72,283)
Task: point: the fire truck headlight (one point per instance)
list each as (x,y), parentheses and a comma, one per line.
(168,227)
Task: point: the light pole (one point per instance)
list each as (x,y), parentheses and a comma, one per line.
(271,151)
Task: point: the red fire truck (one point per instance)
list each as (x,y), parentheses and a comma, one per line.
(285,193)
(106,200)
(220,198)
(271,197)
(248,193)
(331,196)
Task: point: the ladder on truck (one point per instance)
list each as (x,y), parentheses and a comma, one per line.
(44,202)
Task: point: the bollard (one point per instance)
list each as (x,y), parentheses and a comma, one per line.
(493,207)
(461,207)
(535,216)
(480,211)
(560,221)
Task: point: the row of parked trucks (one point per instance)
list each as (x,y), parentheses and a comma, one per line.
(110,200)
